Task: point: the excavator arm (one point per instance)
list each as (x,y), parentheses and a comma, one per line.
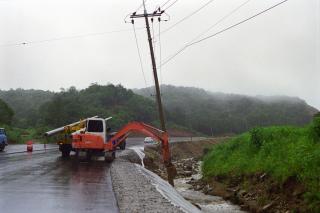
(150,131)
(145,129)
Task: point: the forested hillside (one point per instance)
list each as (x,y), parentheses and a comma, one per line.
(25,104)
(110,100)
(185,108)
(218,113)
(6,113)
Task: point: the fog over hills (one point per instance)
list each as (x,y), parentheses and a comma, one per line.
(201,94)
(215,112)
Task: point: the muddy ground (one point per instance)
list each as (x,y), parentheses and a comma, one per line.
(185,156)
(255,193)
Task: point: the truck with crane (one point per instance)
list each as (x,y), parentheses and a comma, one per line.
(94,126)
(92,136)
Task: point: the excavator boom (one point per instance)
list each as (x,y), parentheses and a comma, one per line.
(90,141)
(145,129)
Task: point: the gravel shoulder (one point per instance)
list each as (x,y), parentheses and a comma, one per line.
(133,190)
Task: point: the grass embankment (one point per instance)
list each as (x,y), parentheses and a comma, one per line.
(281,153)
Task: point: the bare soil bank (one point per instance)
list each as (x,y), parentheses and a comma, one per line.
(255,193)
(185,156)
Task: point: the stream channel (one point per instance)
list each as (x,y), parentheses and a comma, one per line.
(206,203)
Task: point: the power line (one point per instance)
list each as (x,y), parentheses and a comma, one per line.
(174,55)
(188,16)
(153,38)
(140,6)
(241,22)
(221,31)
(139,53)
(221,20)
(160,53)
(64,38)
(171,4)
(164,4)
(207,30)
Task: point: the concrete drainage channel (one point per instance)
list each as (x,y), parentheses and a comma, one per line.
(140,190)
(136,189)
(167,191)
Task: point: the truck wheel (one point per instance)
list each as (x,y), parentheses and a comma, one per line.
(65,153)
(2,146)
(65,150)
(110,156)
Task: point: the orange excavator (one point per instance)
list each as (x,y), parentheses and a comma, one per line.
(92,136)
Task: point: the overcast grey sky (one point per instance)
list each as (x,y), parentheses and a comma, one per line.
(277,53)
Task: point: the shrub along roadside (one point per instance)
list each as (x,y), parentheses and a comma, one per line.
(19,136)
(281,152)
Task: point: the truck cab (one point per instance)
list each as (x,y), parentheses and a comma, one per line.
(3,139)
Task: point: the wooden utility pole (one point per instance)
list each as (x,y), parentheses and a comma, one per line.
(171,170)
(146,16)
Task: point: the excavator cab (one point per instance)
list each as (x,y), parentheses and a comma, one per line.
(96,126)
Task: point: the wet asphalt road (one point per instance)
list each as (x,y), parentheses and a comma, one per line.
(44,182)
(47,183)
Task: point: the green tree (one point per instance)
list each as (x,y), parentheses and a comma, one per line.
(110,100)
(6,113)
